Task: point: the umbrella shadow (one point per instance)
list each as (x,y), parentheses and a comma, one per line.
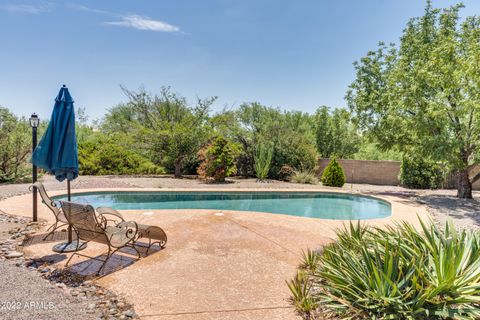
(38,238)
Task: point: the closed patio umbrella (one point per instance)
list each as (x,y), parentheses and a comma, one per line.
(57,152)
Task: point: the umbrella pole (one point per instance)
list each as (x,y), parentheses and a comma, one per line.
(71,245)
(69,199)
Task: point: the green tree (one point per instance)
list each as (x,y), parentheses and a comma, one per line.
(423,94)
(290,133)
(370,151)
(15,146)
(335,133)
(165,127)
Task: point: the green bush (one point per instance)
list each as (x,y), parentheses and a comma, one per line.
(105,156)
(218,159)
(333,175)
(294,152)
(303,177)
(397,273)
(420,173)
(15,144)
(290,133)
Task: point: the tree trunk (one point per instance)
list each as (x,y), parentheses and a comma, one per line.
(464,186)
(178,168)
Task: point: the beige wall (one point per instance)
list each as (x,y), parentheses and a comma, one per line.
(379,172)
(367,171)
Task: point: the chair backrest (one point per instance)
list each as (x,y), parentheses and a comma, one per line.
(85,222)
(48,201)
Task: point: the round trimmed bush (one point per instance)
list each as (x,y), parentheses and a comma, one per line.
(333,175)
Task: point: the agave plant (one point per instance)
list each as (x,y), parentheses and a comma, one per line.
(400,273)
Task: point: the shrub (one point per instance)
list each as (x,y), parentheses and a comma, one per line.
(420,173)
(104,157)
(15,144)
(333,175)
(397,273)
(262,161)
(303,177)
(218,159)
(294,152)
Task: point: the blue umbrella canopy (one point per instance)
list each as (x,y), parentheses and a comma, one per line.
(57,152)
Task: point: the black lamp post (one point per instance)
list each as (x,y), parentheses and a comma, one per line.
(34,122)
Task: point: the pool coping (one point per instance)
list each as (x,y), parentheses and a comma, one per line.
(250,191)
(400,207)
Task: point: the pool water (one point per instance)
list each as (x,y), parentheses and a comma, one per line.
(321,205)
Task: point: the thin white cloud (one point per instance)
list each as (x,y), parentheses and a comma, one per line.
(29,8)
(144,23)
(92,10)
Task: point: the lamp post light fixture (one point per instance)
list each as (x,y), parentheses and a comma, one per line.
(34,122)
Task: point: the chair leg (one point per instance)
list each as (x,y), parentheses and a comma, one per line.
(109,254)
(138,252)
(53,227)
(68,261)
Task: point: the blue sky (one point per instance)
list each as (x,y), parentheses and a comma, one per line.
(291,54)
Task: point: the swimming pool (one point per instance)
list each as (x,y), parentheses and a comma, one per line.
(321,205)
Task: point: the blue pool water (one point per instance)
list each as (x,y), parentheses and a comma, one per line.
(306,204)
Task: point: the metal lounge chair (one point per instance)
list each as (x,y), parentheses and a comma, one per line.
(92,227)
(60,220)
(154,234)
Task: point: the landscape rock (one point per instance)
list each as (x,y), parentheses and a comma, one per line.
(13,255)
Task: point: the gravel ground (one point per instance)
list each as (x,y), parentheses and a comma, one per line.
(9,190)
(26,295)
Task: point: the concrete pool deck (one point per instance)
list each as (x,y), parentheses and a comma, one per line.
(216,265)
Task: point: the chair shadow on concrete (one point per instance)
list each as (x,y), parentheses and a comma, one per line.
(87,268)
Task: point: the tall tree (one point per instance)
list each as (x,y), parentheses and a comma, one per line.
(335,133)
(14,146)
(424,94)
(289,133)
(164,125)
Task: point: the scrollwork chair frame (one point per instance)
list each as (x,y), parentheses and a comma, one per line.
(91,227)
(60,219)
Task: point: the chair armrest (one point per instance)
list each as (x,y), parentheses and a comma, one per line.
(122,234)
(106,211)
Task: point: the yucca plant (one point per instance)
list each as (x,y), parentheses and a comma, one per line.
(310,260)
(300,287)
(262,161)
(400,273)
